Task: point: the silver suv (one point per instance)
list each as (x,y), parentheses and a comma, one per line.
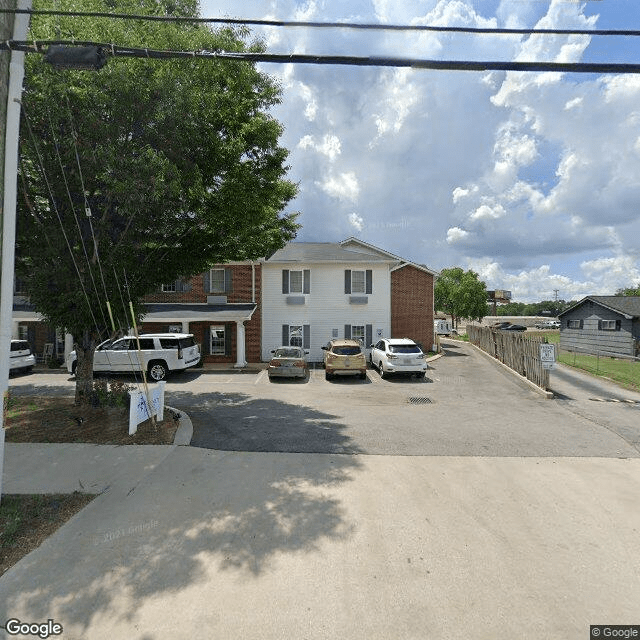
(159,354)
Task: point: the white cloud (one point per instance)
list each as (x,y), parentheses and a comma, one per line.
(455,234)
(535,175)
(356,221)
(344,187)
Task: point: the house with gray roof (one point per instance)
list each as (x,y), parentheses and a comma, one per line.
(607,325)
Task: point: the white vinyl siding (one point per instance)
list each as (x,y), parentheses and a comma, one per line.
(327,308)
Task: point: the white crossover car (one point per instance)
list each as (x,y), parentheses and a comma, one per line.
(398,355)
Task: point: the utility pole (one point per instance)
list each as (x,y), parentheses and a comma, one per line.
(11,77)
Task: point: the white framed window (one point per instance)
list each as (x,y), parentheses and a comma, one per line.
(295,281)
(169,288)
(574,324)
(610,325)
(295,335)
(175,328)
(358,333)
(23,332)
(216,281)
(358,281)
(217,341)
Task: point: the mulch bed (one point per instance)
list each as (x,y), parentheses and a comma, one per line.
(58,419)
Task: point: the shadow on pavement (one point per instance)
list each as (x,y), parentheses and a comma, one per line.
(199,512)
(238,422)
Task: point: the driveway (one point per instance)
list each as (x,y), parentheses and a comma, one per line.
(467,406)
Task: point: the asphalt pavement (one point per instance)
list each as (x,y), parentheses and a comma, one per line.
(378,534)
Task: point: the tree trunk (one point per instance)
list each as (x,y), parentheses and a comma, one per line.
(84,370)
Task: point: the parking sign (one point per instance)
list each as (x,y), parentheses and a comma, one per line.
(547,355)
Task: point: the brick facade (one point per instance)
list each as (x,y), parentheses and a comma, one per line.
(242,291)
(412,305)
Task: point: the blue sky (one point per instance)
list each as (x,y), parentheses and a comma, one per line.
(532,180)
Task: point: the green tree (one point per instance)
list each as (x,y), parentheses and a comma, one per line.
(461,294)
(143,172)
(629,291)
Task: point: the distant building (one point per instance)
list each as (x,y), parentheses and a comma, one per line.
(608,325)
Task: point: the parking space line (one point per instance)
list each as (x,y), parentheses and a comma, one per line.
(261,376)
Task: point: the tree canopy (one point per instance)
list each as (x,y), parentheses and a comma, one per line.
(145,171)
(629,291)
(460,294)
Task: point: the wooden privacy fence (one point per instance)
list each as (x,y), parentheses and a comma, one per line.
(517,351)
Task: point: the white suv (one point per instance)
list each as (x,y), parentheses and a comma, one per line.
(398,355)
(21,357)
(160,353)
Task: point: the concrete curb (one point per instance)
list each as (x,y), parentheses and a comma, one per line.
(546,394)
(185,428)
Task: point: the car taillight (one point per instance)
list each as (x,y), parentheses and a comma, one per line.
(392,356)
(274,363)
(331,357)
(298,363)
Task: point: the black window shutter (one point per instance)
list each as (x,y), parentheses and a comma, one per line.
(347,331)
(368,332)
(347,280)
(618,325)
(307,281)
(306,336)
(581,324)
(369,281)
(285,281)
(206,342)
(206,281)
(285,335)
(228,280)
(227,339)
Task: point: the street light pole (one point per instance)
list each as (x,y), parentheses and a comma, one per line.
(12,135)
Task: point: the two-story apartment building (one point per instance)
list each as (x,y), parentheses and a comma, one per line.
(306,294)
(314,292)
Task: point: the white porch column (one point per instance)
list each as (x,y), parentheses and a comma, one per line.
(185,326)
(68,346)
(15,331)
(240,346)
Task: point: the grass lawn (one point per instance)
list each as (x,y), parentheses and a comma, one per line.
(624,372)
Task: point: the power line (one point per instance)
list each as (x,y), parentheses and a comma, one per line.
(327,25)
(368,61)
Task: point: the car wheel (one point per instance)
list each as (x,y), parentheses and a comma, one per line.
(157,371)
(363,376)
(381,370)
(420,375)
(327,375)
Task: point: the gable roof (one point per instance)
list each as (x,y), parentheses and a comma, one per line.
(628,306)
(349,250)
(325,252)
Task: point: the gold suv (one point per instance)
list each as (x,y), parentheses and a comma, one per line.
(344,357)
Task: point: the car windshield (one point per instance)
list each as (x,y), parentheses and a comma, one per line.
(288,353)
(21,345)
(404,348)
(346,351)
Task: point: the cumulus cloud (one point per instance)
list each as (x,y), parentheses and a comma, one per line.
(532,175)
(356,221)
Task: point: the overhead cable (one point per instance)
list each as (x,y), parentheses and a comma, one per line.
(368,61)
(326,25)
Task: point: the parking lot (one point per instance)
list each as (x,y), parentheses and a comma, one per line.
(466,405)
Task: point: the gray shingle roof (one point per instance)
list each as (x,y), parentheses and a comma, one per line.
(627,305)
(323,252)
